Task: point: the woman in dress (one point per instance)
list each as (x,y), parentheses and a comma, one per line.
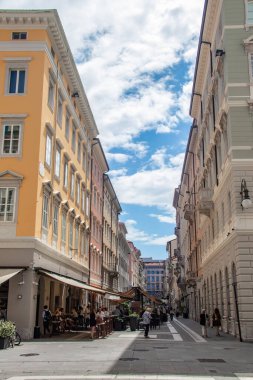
(92,323)
(217,321)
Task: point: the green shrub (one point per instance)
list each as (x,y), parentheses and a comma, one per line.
(7,329)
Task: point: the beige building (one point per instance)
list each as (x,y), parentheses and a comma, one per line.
(213,201)
(47,130)
(110,263)
(173,271)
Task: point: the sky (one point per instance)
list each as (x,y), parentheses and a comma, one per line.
(136,59)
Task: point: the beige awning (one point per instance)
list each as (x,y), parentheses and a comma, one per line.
(72,282)
(6,274)
(112,297)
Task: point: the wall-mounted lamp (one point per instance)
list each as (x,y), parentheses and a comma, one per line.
(246,201)
(219,53)
(75,95)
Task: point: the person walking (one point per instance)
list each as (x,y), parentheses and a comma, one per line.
(203,320)
(47,318)
(92,323)
(217,321)
(146,316)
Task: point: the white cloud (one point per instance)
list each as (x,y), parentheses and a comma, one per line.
(154,187)
(164,218)
(119,46)
(118,157)
(137,235)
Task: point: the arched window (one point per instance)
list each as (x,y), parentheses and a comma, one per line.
(216,291)
(221,294)
(211,289)
(227,293)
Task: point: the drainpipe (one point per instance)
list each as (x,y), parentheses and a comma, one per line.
(91,185)
(237,310)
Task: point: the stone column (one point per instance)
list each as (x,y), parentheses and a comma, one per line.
(22,300)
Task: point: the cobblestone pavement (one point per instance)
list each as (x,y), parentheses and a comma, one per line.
(175,351)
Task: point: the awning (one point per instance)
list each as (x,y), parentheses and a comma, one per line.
(6,274)
(112,297)
(72,282)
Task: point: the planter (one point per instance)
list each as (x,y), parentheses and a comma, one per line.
(118,325)
(133,323)
(4,343)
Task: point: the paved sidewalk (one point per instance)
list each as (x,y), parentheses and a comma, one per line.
(128,355)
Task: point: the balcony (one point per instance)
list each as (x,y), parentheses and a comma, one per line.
(113,270)
(181,283)
(191,278)
(188,212)
(177,231)
(177,252)
(205,204)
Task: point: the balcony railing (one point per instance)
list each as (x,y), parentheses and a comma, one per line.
(205,204)
(177,252)
(177,231)
(113,270)
(188,212)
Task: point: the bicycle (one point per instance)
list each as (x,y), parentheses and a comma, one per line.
(15,339)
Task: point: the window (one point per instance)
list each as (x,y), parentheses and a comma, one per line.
(11,139)
(67,121)
(65,173)
(87,204)
(45,211)
(72,184)
(7,204)
(84,160)
(51,90)
(76,236)
(78,191)
(250,12)
(79,149)
(48,149)
(71,233)
(83,199)
(55,220)
(16,81)
(63,227)
(59,110)
(57,162)
(73,140)
(19,35)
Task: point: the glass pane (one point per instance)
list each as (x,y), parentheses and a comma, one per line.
(14,148)
(13,81)
(7,132)
(2,195)
(15,131)
(6,148)
(21,83)
(1,216)
(11,196)
(9,209)
(9,217)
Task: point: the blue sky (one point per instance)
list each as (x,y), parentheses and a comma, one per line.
(136,59)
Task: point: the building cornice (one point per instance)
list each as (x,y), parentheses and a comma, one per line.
(49,20)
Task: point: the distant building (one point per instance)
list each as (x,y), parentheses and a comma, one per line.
(154,272)
(124,253)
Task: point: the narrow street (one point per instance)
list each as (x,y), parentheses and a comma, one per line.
(175,351)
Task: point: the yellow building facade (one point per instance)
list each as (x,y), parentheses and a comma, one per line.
(46,133)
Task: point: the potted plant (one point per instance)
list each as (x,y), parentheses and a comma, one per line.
(7,330)
(118,324)
(133,321)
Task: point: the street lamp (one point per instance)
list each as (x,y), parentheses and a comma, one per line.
(246,201)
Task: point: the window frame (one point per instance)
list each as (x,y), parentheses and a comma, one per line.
(19,34)
(7,189)
(48,154)
(57,165)
(11,123)
(248,4)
